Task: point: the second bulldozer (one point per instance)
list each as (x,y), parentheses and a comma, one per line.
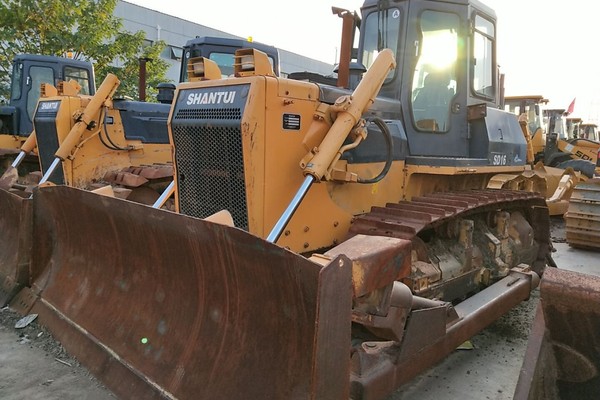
(86,142)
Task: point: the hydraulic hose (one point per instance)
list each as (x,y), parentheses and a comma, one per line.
(390,151)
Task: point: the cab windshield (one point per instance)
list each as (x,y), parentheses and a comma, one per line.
(381,31)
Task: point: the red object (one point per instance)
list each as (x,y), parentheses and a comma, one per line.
(571,107)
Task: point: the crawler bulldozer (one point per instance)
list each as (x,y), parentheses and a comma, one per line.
(582,193)
(360,243)
(113,146)
(531,109)
(87,142)
(556,161)
(29,71)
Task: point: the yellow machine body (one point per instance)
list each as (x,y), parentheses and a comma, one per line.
(272,170)
(91,159)
(368,240)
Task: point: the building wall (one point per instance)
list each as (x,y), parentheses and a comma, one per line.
(176,32)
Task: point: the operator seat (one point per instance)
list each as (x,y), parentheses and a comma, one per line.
(432,102)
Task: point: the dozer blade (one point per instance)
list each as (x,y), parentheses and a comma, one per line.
(15,246)
(562,360)
(583,216)
(162,305)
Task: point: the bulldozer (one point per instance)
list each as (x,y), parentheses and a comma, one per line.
(562,151)
(531,107)
(582,214)
(114,146)
(557,162)
(29,72)
(84,140)
(361,243)
(89,142)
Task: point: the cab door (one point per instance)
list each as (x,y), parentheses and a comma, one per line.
(35,74)
(434,79)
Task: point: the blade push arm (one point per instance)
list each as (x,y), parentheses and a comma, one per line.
(85,121)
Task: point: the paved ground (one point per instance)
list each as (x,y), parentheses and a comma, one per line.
(34,367)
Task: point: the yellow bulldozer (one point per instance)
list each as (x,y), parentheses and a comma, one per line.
(85,140)
(88,142)
(558,160)
(363,243)
(117,147)
(582,215)
(29,71)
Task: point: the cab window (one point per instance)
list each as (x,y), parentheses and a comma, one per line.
(434,75)
(81,75)
(382,30)
(38,76)
(17,81)
(483,58)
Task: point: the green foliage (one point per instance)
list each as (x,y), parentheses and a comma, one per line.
(88,30)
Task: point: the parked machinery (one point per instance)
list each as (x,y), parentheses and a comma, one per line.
(366,244)
(117,146)
(530,109)
(562,360)
(29,72)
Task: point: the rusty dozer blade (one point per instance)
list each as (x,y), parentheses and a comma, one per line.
(162,305)
(562,360)
(15,246)
(583,216)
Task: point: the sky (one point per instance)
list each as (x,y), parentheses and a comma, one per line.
(544,46)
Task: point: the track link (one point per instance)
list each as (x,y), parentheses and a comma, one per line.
(409,219)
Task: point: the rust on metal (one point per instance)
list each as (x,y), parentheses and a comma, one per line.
(137,176)
(376,261)
(583,215)
(156,171)
(433,331)
(15,247)
(563,352)
(161,305)
(9,178)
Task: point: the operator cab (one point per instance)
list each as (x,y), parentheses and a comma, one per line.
(532,108)
(557,124)
(445,88)
(28,73)
(222,51)
(589,132)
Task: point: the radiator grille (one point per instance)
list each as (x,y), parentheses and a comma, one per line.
(45,124)
(210,165)
(209,113)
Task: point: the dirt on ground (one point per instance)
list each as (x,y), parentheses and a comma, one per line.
(34,366)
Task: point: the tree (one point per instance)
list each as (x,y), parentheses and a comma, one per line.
(85,29)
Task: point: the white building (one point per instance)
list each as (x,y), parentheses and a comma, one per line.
(176,32)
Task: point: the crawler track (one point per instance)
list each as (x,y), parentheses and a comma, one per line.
(408,219)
